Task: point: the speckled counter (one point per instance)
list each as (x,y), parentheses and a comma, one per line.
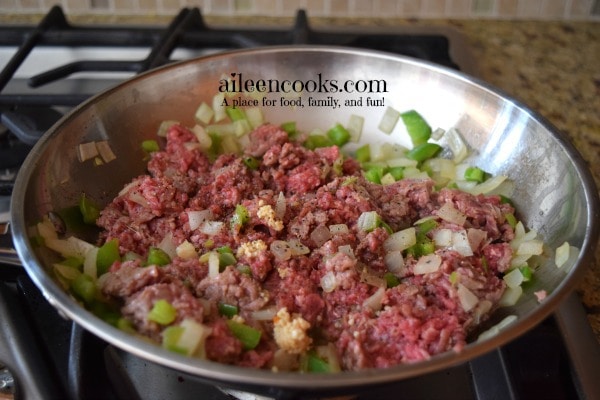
(552,67)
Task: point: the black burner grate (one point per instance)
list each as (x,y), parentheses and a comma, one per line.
(68,362)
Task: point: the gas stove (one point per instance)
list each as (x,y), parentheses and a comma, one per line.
(53,66)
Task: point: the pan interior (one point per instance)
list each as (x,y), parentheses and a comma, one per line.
(553,191)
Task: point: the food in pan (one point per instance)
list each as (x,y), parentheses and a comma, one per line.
(259,245)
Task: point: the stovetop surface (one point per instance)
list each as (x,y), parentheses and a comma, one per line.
(68,362)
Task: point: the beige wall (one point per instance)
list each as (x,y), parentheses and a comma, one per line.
(498,9)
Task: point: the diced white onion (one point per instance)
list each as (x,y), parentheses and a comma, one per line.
(476,237)
(562,254)
(466,186)
(437,133)
(198,217)
(281,250)
(211,228)
(126,188)
(401,162)
(69,273)
(347,250)
(167,244)
(70,247)
(280,206)
(387,179)
(448,213)
(266,314)
(203,138)
(221,129)
(467,299)
(395,263)
(519,230)
(328,352)
(218,108)
(531,247)
(442,237)
(86,151)
(229,143)
(164,127)
(46,230)
(522,236)
(213,264)
(254,116)
(488,185)
(338,229)
(456,144)
(193,338)
(389,120)
(297,248)
(90,263)
(320,235)
(514,278)
(373,280)
(105,151)
(204,113)
(137,198)
(329,282)
(355,127)
(186,250)
(375,300)
(415,173)
(442,166)
(520,260)
(510,296)
(427,264)
(241,127)
(380,151)
(401,240)
(482,308)
(461,244)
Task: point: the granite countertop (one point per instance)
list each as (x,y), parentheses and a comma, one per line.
(550,66)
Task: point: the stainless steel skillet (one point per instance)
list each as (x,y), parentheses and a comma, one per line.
(553,189)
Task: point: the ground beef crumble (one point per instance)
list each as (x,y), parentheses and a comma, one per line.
(412,321)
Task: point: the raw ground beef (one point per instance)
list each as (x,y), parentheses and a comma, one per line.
(370,324)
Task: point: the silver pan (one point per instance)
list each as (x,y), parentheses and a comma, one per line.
(553,189)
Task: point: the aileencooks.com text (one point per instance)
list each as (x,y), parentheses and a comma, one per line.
(236,83)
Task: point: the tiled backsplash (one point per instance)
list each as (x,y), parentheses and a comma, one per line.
(499,9)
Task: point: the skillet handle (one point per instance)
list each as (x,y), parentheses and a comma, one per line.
(19,351)
(582,345)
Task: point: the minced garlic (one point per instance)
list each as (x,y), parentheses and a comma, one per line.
(251,249)
(290,333)
(266,214)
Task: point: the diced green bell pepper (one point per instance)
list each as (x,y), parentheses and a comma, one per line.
(228,310)
(157,256)
(423,151)
(338,135)
(88,209)
(108,253)
(314,141)
(162,312)
(418,129)
(83,287)
(249,336)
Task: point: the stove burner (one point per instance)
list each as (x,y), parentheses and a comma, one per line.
(28,124)
(71,363)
